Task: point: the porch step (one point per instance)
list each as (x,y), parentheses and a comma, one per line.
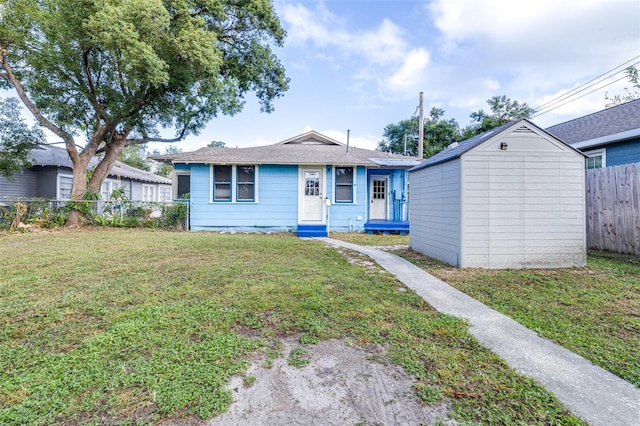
(312,231)
(385,226)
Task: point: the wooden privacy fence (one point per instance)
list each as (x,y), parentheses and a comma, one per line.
(613,208)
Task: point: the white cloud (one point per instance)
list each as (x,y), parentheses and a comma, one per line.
(410,73)
(540,29)
(492,84)
(381,55)
(523,51)
(358,141)
(381,45)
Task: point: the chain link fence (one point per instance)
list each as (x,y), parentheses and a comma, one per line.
(46,213)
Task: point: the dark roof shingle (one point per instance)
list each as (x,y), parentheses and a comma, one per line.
(610,121)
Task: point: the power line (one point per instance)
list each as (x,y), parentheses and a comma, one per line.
(582,96)
(549,105)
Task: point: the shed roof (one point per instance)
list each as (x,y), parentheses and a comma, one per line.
(609,125)
(456,149)
(308,148)
(49,155)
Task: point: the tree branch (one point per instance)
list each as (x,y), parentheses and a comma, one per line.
(92,87)
(146,139)
(22,94)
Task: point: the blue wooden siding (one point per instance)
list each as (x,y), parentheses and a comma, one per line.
(397,207)
(623,152)
(344,217)
(276,208)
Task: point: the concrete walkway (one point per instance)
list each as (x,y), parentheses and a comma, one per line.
(597,396)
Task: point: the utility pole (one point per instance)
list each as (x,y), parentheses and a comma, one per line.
(421,129)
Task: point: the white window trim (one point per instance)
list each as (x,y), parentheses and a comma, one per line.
(165,188)
(353,187)
(155,192)
(597,152)
(234,185)
(112,184)
(174,184)
(58,194)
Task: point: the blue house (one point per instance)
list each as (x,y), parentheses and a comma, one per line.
(610,137)
(308,184)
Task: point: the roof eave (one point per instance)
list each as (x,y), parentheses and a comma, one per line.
(616,137)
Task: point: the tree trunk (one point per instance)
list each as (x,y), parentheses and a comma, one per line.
(78,190)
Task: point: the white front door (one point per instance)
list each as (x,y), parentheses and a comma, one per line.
(311,201)
(378,197)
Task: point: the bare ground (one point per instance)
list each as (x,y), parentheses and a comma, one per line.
(340,385)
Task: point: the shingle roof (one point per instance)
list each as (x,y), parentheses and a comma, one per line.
(455,150)
(49,155)
(310,148)
(611,121)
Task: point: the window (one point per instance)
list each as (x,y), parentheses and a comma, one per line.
(246,183)
(183,186)
(65,184)
(236,184)
(312,183)
(148,193)
(108,186)
(344,185)
(595,159)
(222,183)
(164,194)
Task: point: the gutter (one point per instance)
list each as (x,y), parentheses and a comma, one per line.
(616,137)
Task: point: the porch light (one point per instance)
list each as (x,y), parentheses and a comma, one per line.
(504,146)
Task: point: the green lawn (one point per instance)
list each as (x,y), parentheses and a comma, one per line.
(130,326)
(593,311)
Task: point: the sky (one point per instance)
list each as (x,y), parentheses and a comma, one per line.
(360,65)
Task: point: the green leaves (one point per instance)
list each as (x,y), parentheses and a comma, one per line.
(118,72)
(16,138)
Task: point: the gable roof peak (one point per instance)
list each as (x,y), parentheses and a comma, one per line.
(310,138)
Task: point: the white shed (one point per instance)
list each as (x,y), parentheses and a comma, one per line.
(512,197)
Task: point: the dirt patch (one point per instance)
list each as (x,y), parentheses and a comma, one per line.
(340,385)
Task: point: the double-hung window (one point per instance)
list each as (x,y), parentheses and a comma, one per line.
(246,178)
(148,192)
(222,183)
(65,185)
(234,183)
(344,185)
(183,185)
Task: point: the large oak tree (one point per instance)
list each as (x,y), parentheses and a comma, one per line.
(104,74)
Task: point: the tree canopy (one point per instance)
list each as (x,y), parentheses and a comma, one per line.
(440,132)
(17,139)
(104,74)
(634,79)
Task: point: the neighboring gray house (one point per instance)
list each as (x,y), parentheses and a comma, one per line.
(512,197)
(610,137)
(51,177)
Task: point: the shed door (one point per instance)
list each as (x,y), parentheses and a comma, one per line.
(311,202)
(378,196)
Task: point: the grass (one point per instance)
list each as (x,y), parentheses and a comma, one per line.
(138,326)
(593,311)
(378,239)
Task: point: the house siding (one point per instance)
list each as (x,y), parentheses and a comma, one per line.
(23,184)
(434,211)
(276,209)
(623,152)
(523,207)
(344,217)
(48,181)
